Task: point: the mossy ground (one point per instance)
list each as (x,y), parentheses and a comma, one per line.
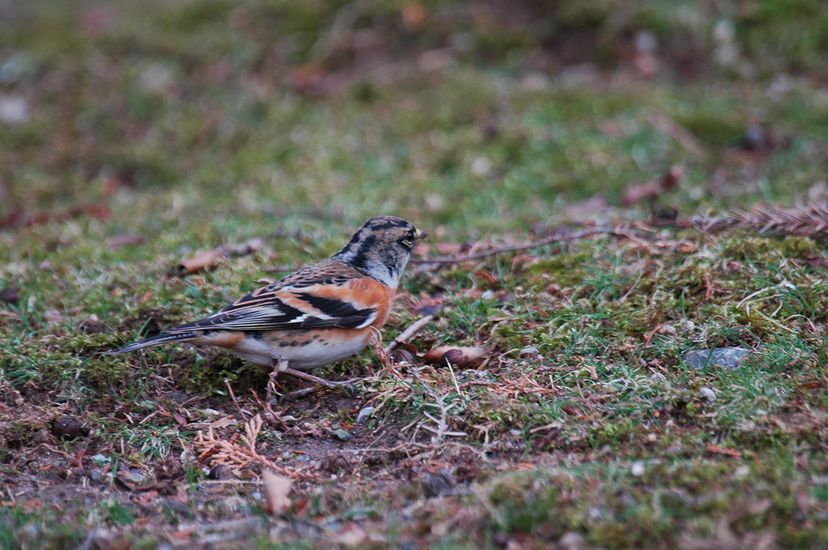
(155,134)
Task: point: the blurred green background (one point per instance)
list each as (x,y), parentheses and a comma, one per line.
(476,115)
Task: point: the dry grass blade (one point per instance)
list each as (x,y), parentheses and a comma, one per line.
(408,333)
(804,221)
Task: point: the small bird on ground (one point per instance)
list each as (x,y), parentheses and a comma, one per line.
(317,315)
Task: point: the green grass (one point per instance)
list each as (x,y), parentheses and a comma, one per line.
(190,126)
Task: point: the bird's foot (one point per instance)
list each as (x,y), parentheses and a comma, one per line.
(279,366)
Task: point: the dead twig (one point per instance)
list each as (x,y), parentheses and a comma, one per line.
(558,237)
(408,333)
(803,221)
(233,397)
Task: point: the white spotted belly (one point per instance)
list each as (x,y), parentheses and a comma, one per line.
(300,353)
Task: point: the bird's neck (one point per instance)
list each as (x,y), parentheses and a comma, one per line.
(388,273)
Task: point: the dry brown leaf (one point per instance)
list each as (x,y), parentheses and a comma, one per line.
(210,259)
(276,490)
(463,357)
(653,188)
(203,261)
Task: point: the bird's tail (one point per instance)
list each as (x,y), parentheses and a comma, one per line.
(157,340)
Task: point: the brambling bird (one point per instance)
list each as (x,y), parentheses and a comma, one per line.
(317,315)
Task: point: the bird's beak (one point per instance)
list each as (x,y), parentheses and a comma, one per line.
(421,235)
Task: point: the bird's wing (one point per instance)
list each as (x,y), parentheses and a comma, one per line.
(326,295)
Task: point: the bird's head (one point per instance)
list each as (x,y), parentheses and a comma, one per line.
(381,248)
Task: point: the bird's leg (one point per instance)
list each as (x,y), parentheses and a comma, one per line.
(279,365)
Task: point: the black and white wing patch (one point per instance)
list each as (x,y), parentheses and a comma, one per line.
(285,310)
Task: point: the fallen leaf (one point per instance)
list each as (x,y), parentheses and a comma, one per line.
(276,490)
(654,187)
(488,278)
(464,357)
(210,259)
(202,261)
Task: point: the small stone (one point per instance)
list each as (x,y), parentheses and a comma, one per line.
(13,110)
(15,68)
(437,485)
(96,475)
(637,468)
(10,295)
(53,316)
(755,137)
(335,464)
(595,514)
(157,78)
(572,540)
(364,414)
(529,351)
(132,475)
(341,434)
(68,427)
(707,394)
(402,356)
(41,436)
(219,472)
(92,325)
(100,459)
(727,358)
(481,166)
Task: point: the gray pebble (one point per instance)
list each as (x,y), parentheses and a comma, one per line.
(437,485)
(707,394)
(364,414)
(726,358)
(529,351)
(573,540)
(132,475)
